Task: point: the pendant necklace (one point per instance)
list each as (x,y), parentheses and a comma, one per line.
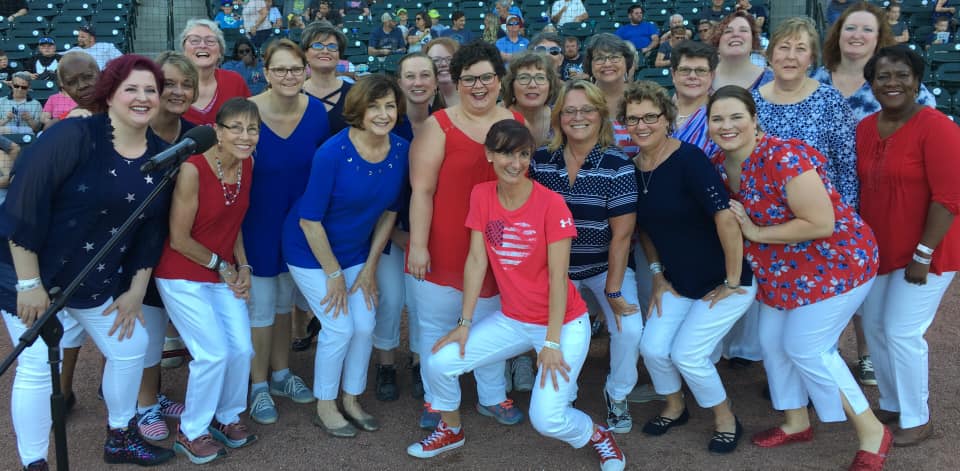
(230,197)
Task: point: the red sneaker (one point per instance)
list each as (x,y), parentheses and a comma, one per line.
(441,440)
(611,458)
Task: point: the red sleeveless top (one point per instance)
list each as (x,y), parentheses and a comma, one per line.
(215,226)
(464,165)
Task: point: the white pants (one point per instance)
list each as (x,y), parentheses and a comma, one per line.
(624,344)
(73,333)
(392,283)
(743,341)
(30,400)
(682,339)
(497,338)
(801,357)
(269,296)
(215,328)
(345,342)
(896,315)
(155,321)
(438,308)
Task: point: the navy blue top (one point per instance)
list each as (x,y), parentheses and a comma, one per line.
(347,195)
(72,191)
(683,194)
(335,114)
(280,173)
(605,188)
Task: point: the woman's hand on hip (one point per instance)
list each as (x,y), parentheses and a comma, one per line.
(550,362)
(129,307)
(336,298)
(366,282)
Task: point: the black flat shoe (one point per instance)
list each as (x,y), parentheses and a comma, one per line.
(387,383)
(313,329)
(660,425)
(725,442)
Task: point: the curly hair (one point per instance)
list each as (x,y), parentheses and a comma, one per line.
(537,61)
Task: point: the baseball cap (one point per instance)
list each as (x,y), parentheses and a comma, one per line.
(46,40)
(88,29)
(227,3)
(401,11)
(433,14)
(386,17)
(515,17)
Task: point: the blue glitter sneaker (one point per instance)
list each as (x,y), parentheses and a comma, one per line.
(127,446)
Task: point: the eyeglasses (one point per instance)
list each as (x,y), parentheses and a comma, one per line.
(524,79)
(238,129)
(704,30)
(699,71)
(195,40)
(244,52)
(649,118)
(570,112)
(281,72)
(613,59)
(470,80)
(21,87)
(441,60)
(319,46)
(513,23)
(552,50)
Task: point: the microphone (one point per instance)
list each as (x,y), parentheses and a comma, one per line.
(195,141)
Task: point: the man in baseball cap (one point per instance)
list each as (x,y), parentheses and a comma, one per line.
(386,39)
(101,52)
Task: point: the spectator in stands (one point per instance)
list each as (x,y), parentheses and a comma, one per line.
(326,12)
(354,9)
(567,11)
(458,31)
(664,51)
(898,27)
(941,10)
(692,65)
(44,65)
(13,9)
(676,20)
(834,9)
(607,62)
(227,18)
(503,9)
(705,31)
(245,62)
(441,51)
(572,66)
(77,76)
(323,45)
(256,21)
(419,34)
(512,43)
(387,39)
(101,52)
(401,18)
(6,70)
(20,114)
(9,151)
(530,88)
(436,28)
(491,29)
(940,34)
(759,12)
(643,34)
(202,42)
(549,44)
(717,11)
(736,37)
(274,17)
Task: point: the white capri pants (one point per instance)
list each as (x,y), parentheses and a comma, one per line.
(439,308)
(345,342)
(392,284)
(682,340)
(215,328)
(624,344)
(155,321)
(896,315)
(496,338)
(30,400)
(270,296)
(801,357)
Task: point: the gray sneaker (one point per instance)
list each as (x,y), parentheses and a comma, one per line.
(523,376)
(262,408)
(644,393)
(865,373)
(294,388)
(619,419)
(508,375)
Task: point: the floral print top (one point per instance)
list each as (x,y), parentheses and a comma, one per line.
(798,274)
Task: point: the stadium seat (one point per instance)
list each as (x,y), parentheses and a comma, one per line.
(944,99)
(943,53)
(661,76)
(948,77)
(47,10)
(582,30)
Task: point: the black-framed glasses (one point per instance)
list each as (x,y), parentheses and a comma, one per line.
(21,87)
(649,118)
(698,71)
(281,72)
(613,59)
(471,80)
(585,110)
(525,79)
(552,50)
(319,46)
(238,129)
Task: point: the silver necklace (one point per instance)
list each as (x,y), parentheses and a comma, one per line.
(646,181)
(230,197)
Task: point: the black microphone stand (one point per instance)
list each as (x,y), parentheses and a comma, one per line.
(49,327)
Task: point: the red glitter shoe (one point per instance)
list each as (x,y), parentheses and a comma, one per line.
(867,461)
(776,437)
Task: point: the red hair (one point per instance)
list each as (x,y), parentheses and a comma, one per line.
(118,70)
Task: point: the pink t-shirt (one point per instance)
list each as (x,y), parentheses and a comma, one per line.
(516,243)
(58,105)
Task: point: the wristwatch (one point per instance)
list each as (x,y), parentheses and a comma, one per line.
(223,265)
(464,322)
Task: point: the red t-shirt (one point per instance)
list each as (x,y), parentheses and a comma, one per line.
(229,84)
(215,226)
(516,243)
(900,176)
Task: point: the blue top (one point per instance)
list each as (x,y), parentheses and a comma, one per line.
(639,34)
(863,103)
(254,77)
(462,36)
(335,114)
(506,46)
(605,188)
(280,172)
(347,195)
(683,194)
(825,121)
(227,21)
(72,191)
(695,130)
(393,40)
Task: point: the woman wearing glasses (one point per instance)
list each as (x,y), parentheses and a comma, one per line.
(596,179)
(419,35)
(549,45)
(447,160)
(607,62)
(701,286)
(202,42)
(333,239)
(322,43)
(530,89)
(245,62)
(441,51)
(292,126)
(203,277)
(692,66)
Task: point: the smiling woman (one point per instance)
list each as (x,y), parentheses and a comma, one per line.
(202,42)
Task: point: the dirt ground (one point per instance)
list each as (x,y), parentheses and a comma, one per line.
(294,444)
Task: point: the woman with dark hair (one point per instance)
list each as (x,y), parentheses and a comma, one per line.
(245,62)
(419,35)
(324,46)
(736,37)
(292,127)
(203,43)
(62,183)
(521,231)
(607,61)
(531,87)
(693,65)
(447,160)
(204,278)
(908,196)
(814,261)
(333,238)
(597,181)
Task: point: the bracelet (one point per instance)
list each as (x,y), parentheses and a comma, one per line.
(729,286)
(549,344)
(461,322)
(336,274)
(614,295)
(924,249)
(921,260)
(27,285)
(656,268)
(213,261)
(248,267)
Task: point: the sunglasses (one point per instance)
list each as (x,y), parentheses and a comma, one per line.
(513,23)
(319,46)
(21,87)
(552,50)
(244,52)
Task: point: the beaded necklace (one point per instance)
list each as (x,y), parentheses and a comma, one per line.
(230,196)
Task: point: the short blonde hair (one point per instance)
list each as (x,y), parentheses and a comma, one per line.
(183,64)
(596,98)
(792,28)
